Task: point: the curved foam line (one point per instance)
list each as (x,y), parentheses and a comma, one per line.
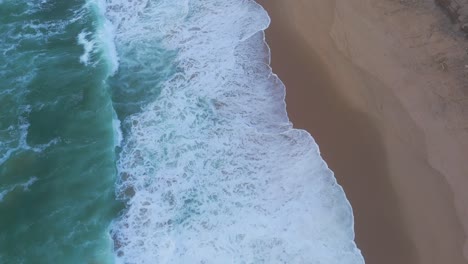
(200,162)
(285,103)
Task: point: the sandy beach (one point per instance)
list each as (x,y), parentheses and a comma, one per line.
(381,85)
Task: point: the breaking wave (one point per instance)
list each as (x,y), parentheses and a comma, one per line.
(210,167)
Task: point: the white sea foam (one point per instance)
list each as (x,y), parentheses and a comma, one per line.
(25,186)
(3,194)
(102,41)
(107,35)
(104,35)
(118,136)
(88,46)
(212,170)
(28,184)
(15,34)
(19,140)
(20,133)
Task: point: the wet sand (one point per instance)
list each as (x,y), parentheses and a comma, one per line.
(403,207)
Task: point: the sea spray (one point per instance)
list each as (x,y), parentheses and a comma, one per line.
(210,167)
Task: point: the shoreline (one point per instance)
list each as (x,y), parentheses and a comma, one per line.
(374,146)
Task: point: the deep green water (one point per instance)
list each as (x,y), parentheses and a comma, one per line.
(57,157)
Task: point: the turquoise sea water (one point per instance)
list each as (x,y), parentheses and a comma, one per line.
(57,161)
(154,131)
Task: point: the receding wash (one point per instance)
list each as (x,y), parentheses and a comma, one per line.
(138,132)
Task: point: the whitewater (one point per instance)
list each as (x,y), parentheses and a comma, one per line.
(210,168)
(154,131)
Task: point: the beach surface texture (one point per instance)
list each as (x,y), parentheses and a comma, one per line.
(381,85)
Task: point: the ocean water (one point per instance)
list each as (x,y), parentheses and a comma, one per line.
(154,131)
(57,155)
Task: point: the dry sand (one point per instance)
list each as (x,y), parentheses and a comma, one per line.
(381,85)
